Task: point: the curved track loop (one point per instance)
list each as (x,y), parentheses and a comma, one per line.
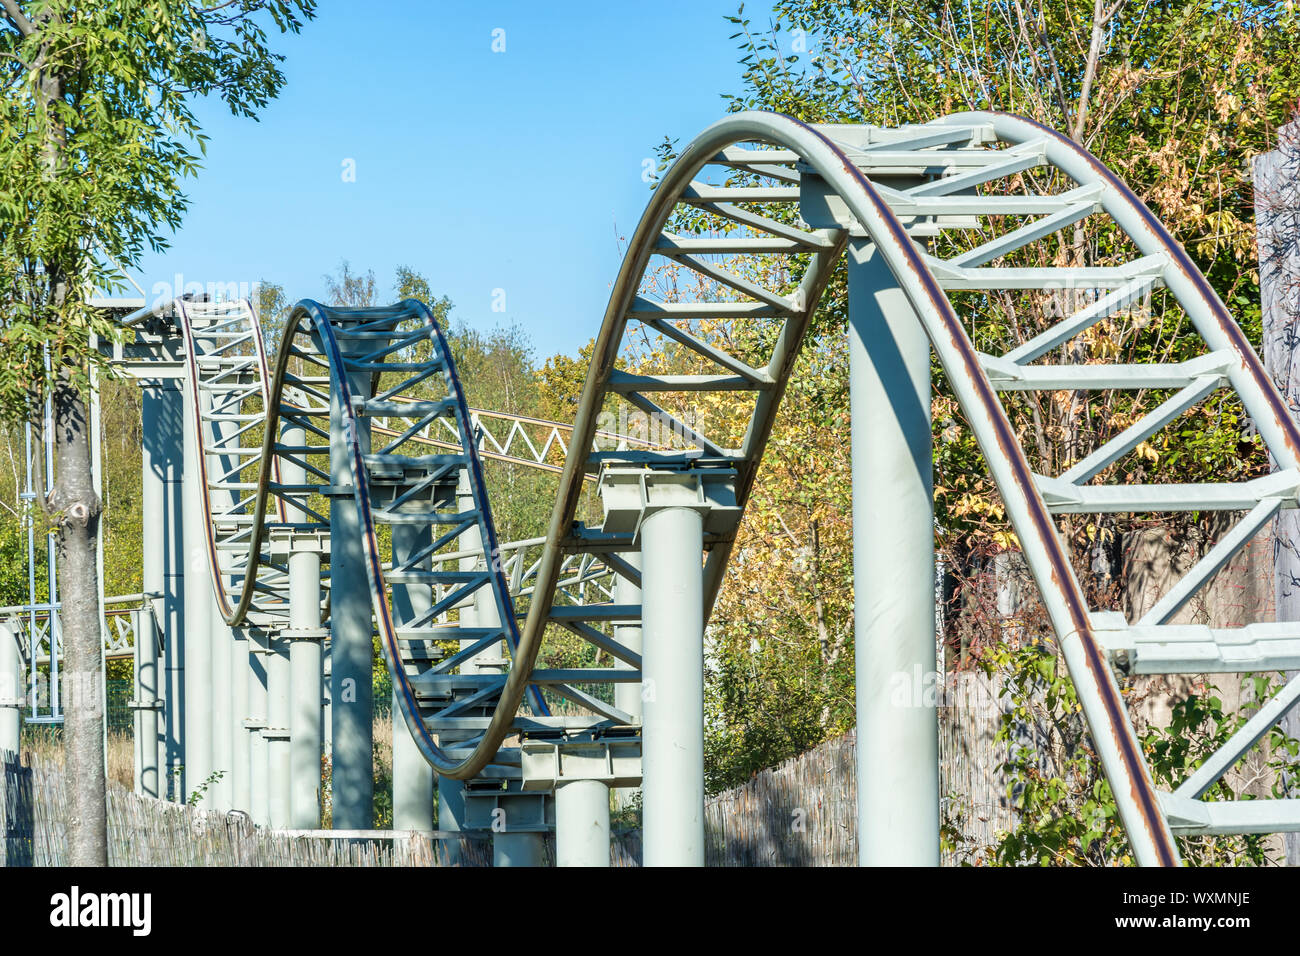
(946,161)
(900,189)
(345,353)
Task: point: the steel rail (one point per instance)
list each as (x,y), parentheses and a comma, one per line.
(922,279)
(315,319)
(537,463)
(1119,753)
(1206,310)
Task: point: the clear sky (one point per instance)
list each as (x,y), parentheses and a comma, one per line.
(514,171)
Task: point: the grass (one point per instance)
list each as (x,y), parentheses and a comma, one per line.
(44,742)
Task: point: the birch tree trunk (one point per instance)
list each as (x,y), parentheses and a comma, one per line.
(1277,215)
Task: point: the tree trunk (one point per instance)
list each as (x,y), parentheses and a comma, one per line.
(76,508)
(1277,216)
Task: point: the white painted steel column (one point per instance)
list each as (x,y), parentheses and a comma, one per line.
(146,703)
(223,731)
(11,689)
(524,848)
(305,660)
(241,789)
(582,823)
(305,726)
(168,462)
(276,732)
(162,448)
(509,848)
(893,570)
(351,627)
(627,697)
(412,775)
(451,793)
(197,648)
(259,793)
(673,726)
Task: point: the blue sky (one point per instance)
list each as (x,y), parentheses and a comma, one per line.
(513,171)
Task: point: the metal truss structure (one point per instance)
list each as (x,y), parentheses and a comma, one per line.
(943,226)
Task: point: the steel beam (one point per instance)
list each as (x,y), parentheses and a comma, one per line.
(893,569)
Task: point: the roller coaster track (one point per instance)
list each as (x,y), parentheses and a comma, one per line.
(989,185)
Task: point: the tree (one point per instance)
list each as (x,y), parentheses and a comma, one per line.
(351,289)
(97,135)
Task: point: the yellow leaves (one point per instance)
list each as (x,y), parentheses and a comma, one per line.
(1095,532)
(1103,340)
(1226,105)
(1145,450)
(1006,540)
(978,505)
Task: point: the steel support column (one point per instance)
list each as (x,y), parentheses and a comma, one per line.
(162,569)
(673,723)
(451,793)
(259,793)
(11,689)
(351,628)
(241,790)
(582,823)
(305,719)
(523,848)
(412,775)
(305,653)
(451,812)
(510,847)
(146,703)
(196,652)
(276,731)
(162,449)
(627,697)
(893,561)
(223,731)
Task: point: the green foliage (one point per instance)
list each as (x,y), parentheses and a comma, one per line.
(96,135)
(201,791)
(13,564)
(1067,811)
